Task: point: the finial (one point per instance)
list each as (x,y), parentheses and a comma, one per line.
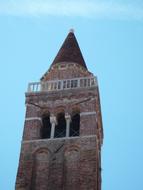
(71,30)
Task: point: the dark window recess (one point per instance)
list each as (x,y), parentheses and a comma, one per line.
(46,128)
(60,129)
(74,83)
(75,125)
(68,84)
(64,84)
(59,85)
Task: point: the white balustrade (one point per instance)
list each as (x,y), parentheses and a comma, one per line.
(65,84)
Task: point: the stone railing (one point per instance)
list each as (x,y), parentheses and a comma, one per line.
(65,84)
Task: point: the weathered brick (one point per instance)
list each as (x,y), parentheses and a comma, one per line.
(72,163)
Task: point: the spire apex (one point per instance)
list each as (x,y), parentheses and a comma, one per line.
(70,51)
(71,30)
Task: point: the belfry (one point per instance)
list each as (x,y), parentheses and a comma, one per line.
(63,134)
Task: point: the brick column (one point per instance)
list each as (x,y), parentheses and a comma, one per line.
(68,119)
(53,123)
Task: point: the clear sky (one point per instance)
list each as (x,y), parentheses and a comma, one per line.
(110,34)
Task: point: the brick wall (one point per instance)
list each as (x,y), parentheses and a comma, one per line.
(65,163)
(58,164)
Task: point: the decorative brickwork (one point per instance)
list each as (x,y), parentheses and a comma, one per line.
(68,157)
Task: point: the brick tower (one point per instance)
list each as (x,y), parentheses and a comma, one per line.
(62,138)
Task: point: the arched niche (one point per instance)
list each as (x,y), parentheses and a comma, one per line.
(40,169)
(46,126)
(75,123)
(71,168)
(60,129)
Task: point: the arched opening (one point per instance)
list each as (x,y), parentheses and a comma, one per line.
(75,125)
(46,127)
(60,129)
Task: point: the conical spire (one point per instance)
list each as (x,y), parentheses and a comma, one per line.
(70,51)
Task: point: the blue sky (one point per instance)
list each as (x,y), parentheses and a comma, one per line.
(110,34)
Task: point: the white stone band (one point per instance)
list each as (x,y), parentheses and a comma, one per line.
(88,113)
(62,138)
(32,118)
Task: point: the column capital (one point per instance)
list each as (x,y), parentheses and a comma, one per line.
(53,119)
(67,116)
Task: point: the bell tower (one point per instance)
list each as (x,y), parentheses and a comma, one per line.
(62,138)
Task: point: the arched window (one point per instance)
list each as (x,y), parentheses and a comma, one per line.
(75,125)
(60,129)
(46,127)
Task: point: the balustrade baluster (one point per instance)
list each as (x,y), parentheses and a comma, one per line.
(78,83)
(33,87)
(36,87)
(29,88)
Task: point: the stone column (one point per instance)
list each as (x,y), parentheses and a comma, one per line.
(68,119)
(53,123)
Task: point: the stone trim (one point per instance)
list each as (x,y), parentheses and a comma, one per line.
(32,118)
(87,113)
(63,138)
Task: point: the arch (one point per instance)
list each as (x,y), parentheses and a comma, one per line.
(40,169)
(60,129)
(59,109)
(71,166)
(75,109)
(41,149)
(46,126)
(75,124)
